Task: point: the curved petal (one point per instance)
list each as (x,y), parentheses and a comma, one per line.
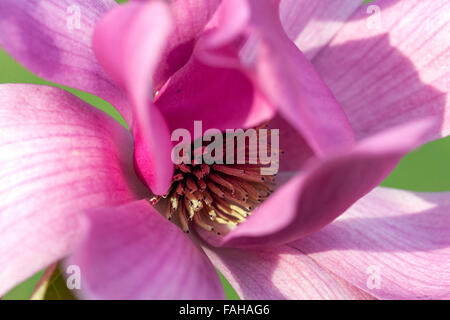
(280,273)
(296,151)
(53,39)
(313,199)
(222,98)
(393,244)
(280,70)
(132,252)
(58,156)
(391,67)
(128,43)
(312,24)
(191,18)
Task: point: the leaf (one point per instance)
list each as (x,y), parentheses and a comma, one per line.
(52,286)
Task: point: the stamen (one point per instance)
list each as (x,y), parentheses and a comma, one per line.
(168,211)
(198,173)
(205,169)
(180,189)
(184,168)
(226,221)
(177,177)
(215,189)
(198,220)
(201,184)
(211,213)
(219,180)
(208,197)
(191,185)
(228,209)
(189,208)
(228,170)
(214,196)
(243,204)
(183,219)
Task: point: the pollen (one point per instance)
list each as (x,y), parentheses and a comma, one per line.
(213,196)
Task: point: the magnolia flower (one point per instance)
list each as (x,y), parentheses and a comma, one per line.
(350,92)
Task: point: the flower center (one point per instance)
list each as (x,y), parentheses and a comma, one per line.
(213,196)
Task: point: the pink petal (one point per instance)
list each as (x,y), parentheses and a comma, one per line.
(296,151)
(128,42)
(312,24)
(325,189)
(43,36)
(400,236)
(58,156)
(280,273)
(222,98)
(191,17)
(283,74)
(395,71)
(132,252)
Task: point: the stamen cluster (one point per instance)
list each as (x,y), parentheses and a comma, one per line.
(214,195)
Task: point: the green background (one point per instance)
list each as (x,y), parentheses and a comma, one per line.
(425,169)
